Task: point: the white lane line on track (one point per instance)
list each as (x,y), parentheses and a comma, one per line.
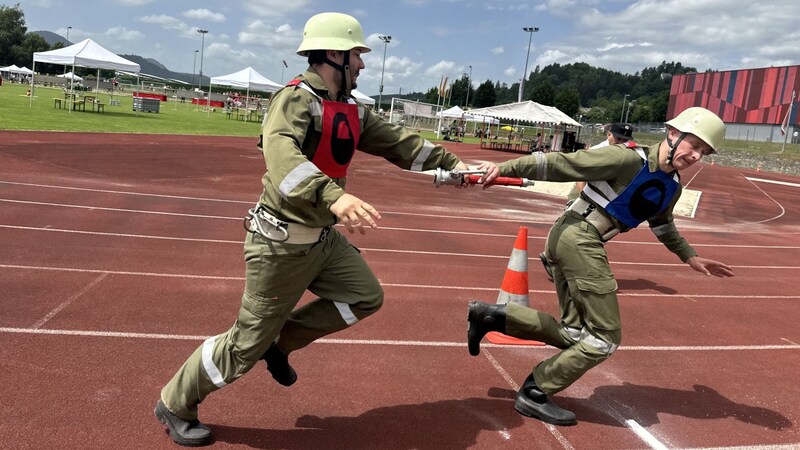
(179,197)
(794,446)
(401,285)
(110,191)
(783,210)
(143,194)
(645,435)
(764,180)
(69,301)
(506,376)
(239,242)
(384,342)
(137,211)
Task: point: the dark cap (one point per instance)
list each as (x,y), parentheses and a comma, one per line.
(621,131)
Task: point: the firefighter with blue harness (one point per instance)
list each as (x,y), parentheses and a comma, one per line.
(627,184)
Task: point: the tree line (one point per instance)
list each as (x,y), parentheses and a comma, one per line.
(586,93)
(581,91)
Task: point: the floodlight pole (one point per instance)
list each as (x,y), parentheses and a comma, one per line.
(628,112)
(469,80)
(202,49)
(622,113)
(194,65)
(67,44)
(530,31)
(386,40)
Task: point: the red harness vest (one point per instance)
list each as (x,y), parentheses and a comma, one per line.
(341,129)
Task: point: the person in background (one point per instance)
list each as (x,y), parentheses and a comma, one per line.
(308,139)
(627,185)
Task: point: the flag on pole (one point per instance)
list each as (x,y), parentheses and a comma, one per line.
(785,123)
(284,64)
(443,87)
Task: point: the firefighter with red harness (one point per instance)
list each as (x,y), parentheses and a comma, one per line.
(311,131)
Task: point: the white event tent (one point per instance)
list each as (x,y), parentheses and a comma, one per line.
(468,116)
(86,53)
(70,76)
(362,97)
(246,78)
(528,111)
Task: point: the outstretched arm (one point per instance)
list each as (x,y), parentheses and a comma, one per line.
(709,267)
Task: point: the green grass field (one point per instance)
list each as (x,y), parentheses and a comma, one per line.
(17,112)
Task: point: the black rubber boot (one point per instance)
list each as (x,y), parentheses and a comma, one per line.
(481,319)
(532,402)
(189,433)
(546,265)
(278,366)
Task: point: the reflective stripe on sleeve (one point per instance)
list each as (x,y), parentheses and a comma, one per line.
(427,148)
(315,109)
(346,313)
(208,363)
(297,176)
(541,166)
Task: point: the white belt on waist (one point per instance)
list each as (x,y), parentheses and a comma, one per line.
(301,234)
(605,227)
(261,222)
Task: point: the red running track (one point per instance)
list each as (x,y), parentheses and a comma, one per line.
(120,253)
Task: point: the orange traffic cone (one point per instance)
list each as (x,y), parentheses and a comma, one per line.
(514,288)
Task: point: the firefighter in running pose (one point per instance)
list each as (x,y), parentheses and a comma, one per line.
(627,185)
(309,135)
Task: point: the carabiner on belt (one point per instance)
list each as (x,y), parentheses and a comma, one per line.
(259,221)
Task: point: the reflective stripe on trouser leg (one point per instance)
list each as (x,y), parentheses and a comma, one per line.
(560,371)
(208,362)
(347,314)
(348,292)
(591,291)
(205,371)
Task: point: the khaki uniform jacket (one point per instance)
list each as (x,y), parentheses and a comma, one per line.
(295,190)
(615,164)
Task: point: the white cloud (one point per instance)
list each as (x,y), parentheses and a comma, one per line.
(497,50)
(164,21)
(134,2)
(204,14)
(123,34)
(445,68)
(171,23)
(275,8)
(282,38)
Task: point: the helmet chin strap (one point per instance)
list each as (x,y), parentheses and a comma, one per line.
(346,84)
(673,146)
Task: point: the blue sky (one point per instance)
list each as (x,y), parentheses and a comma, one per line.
(436,38)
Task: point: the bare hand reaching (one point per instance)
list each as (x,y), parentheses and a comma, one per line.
(710,267)
(355,214)
(491,173)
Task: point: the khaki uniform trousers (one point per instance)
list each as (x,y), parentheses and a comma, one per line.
(277,275)
(589,329)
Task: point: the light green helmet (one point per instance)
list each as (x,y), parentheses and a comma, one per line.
(702,123)
(332,31)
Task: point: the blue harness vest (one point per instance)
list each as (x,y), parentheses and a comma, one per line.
(646,196)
